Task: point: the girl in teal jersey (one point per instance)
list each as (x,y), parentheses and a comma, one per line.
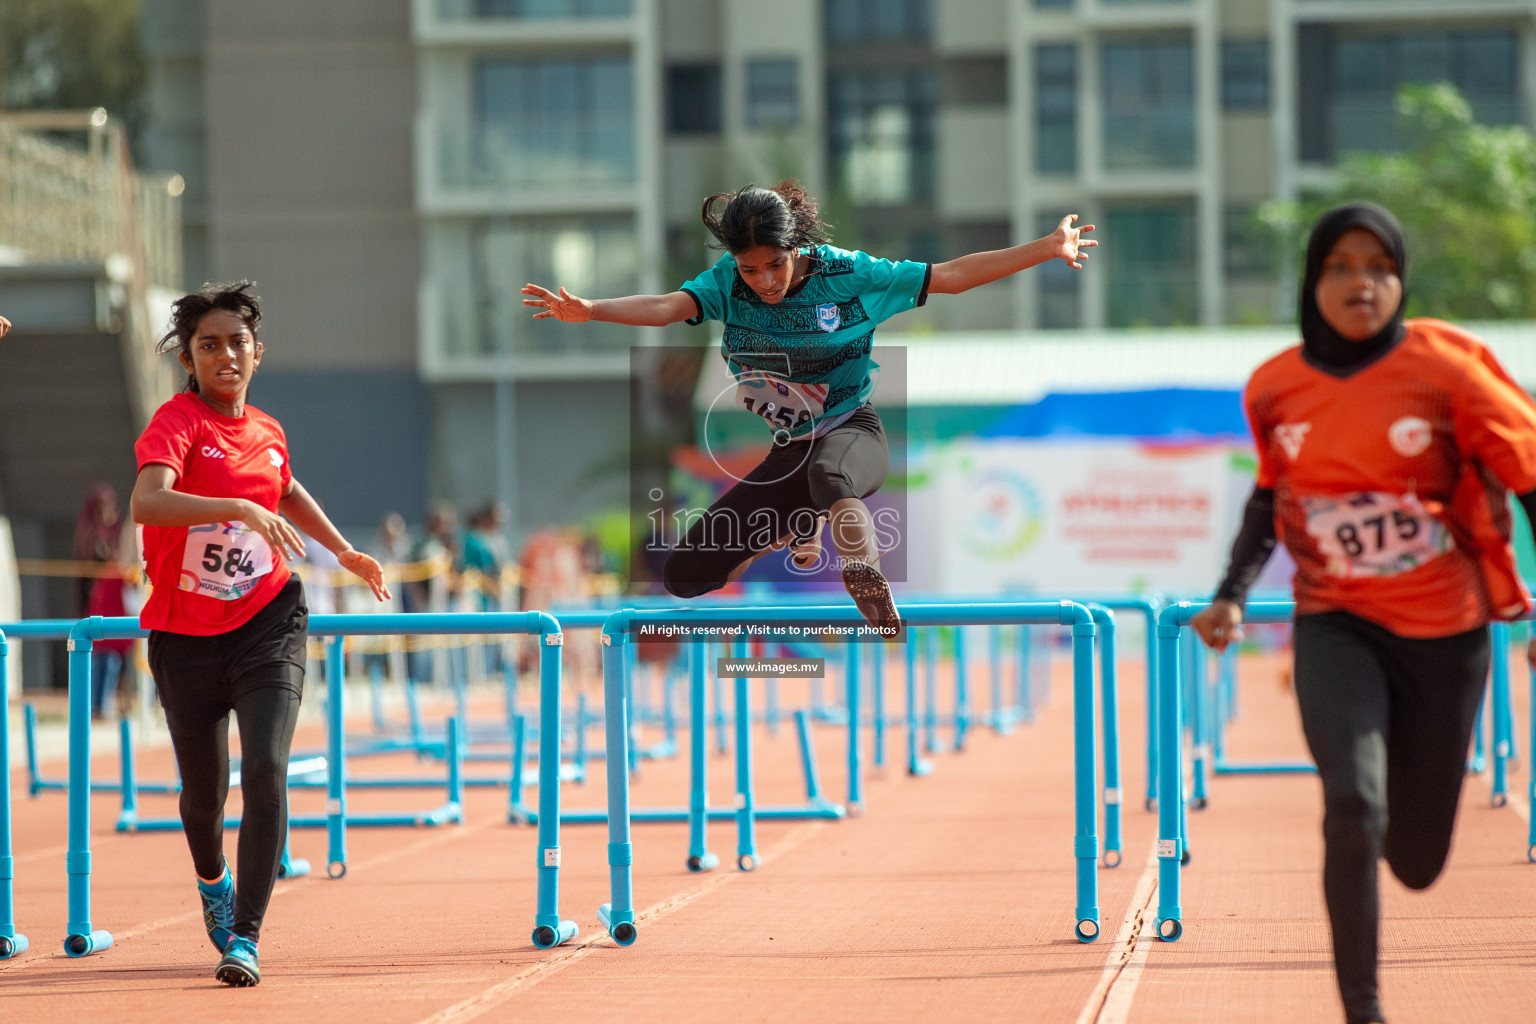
(800,317)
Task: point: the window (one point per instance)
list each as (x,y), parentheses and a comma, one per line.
(858,21)
(1354,76)
(974,81)
(1059,4)
(1245,75)
(588,256)
(1252,252)
(773,93)
(693,99)
(556,122)
(549,8)
(1056,109)
(1150,273)
(881,126)
(1060,294)
(1149,104)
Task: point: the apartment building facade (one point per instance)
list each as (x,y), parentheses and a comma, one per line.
(571,142)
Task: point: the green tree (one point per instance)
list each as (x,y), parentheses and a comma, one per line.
(72,55)
(1466,196)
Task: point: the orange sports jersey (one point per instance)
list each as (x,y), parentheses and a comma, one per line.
(1392,484)
(213,578)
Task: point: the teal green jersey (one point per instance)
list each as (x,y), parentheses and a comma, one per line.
(803,363)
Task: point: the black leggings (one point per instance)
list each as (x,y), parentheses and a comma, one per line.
(256,671)
(266,717)
(1388,720)
(784,495)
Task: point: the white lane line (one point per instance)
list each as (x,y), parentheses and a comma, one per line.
(484,1002)
(1110,1000)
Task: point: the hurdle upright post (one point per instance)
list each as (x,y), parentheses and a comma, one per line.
(1109,708)
(699,857)
(853,684)
(12,942)
(1170,771)
(1499,684)
(548,929)
(617,915)
(80,938)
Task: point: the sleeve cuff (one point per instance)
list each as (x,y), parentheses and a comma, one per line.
(922,294)
(698,316)
(155,460)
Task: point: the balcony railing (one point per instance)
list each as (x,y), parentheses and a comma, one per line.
(597,154)
(530,10)
(83,203)
(68,204)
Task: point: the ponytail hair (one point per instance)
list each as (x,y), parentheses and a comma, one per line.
(188,311)
(784,217)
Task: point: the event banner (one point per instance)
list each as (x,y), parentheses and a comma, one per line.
(1077,518)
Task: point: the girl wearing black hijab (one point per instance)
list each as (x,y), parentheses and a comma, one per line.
(1387,450)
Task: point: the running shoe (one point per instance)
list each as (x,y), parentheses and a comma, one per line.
(238,967)
(219,909)
(872,594)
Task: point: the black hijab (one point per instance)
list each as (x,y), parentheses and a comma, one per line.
(1322,346)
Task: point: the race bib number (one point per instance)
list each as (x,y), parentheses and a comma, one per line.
(782,404)
(224,561)
(1374,534)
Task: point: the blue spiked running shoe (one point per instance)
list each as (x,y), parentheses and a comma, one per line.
(238,965)
(219,909)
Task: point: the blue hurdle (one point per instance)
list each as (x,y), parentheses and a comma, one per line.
(618,915)
(12,942)
(1171,838)
(549,930)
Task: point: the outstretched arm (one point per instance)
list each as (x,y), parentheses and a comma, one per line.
(979,268)
(634,310)
(308,516)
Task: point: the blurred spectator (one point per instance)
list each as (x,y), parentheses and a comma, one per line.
(485,553)
(97,533)
(108,597)
(392,545)
(320,582)
(484,556)
(425,587)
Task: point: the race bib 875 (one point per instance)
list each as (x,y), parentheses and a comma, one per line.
(1369,533)
(224,561)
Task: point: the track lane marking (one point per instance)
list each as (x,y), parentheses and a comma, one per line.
(1110,1001)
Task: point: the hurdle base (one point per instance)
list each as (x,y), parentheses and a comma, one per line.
(12,945)
(81,944)
(550,936)
(620,926)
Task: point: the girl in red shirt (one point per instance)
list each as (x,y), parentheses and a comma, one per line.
(227,619)
(1387,451)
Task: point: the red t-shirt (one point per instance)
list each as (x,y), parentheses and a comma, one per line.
(1390,484)
(211,579)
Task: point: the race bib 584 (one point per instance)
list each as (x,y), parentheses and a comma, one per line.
(1369,533)
(224,561)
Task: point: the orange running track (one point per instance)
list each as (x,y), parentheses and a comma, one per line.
(950,899)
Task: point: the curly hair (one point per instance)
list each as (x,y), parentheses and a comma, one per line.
(784,217)
(188,311)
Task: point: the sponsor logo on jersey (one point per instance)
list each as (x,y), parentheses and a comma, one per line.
(212,452)
(1290,436)
(276,457)
(1410,436)
(827,317)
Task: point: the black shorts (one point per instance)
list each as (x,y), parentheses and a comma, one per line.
(201,678)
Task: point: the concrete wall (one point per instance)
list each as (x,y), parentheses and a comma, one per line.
(573,448)
(309,134)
